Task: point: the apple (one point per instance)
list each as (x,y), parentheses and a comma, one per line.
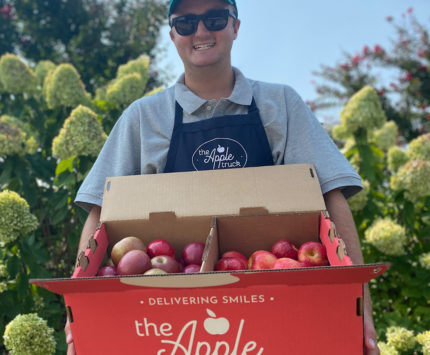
(134,262)
(166,263)
(107,271)
(191,268)
(193,253)
(231,263)
(261,259)
(283,248)
(155,271)
(287,263)
(125,245)
(235,254)
(313,254)
(160,247)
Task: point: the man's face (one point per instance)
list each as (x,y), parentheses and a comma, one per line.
(204,48)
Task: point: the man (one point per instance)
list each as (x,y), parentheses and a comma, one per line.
(214,105)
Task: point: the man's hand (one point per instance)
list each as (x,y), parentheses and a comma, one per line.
(69,339)
(370,344)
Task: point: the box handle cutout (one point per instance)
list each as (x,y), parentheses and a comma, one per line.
(341,249)
(359,309)
(83,261)
(108,186)
(92,244)
(69,314)
(312,172)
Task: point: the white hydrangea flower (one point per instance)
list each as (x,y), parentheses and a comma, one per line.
(387,236)
(363,111)
(400,338)
(15,217)
(424,340)
(16,76)
(396,158)
(81,134)
(419,148)
(425,260)
(63,87)
(385,137)
(28,334)
(386,349)
(126,89)
(414,178)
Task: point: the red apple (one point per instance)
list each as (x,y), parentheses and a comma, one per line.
(193,253)
(160,247)
(231,263)
(283,248)
(261,259)
(192,268)
(155,271)
(125,245)
(133,263)
(107,271)
(287,263)
(166,263)
(313,254)
(235,254)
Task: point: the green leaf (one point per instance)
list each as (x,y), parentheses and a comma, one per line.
(64,165)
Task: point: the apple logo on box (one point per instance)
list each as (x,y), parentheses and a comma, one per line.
(215,326)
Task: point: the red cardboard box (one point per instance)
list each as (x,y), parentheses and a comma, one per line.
(300,311)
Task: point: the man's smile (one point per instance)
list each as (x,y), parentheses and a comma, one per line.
(203,46)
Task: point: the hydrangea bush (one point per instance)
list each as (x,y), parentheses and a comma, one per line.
(392,218)
(51,131)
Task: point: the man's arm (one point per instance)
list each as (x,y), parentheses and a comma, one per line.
(89,229)
(340,214)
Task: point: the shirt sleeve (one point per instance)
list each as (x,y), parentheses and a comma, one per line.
(308,142)
(119,156)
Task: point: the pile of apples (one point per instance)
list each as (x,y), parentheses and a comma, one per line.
(130,256)
(283,255)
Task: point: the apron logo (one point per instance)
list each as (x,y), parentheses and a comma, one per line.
(219,153)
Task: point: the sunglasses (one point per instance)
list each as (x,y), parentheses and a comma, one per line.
(214,20)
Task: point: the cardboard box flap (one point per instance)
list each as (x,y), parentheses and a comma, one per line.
(269,189)
(306,276)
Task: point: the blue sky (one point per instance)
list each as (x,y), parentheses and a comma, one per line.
(284,41)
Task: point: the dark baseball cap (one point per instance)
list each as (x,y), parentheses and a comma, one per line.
(174,4)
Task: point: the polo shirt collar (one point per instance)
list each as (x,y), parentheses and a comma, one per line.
(190,102)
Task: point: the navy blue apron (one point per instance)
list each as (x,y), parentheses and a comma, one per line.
(223,142)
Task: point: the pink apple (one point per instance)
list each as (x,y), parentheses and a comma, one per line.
(125,245)
(193,253)
(313,254)
(160,247)
(155,271)
(261,259)
(107,271)
(231,263)
(235,254)
(287,263)
(166,263)
(192,268)
(283,248)
(133,263)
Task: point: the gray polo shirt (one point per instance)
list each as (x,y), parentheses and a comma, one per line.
(140,140)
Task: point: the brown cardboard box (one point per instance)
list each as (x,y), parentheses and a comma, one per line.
(300,311)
